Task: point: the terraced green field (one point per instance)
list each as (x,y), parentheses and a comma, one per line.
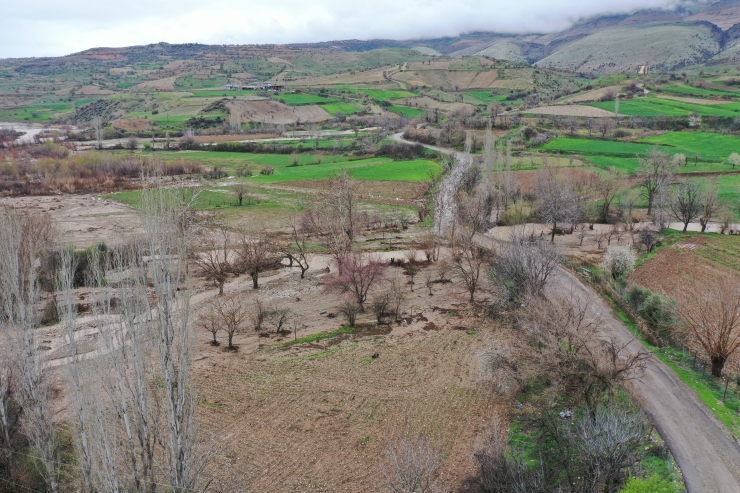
(381,169)
(303,99)
(387,95)
(485,97)
(238,159)
(697,91)
(37,113)
(597,147)
(346,108)
(374,169)
(407,112)
(667,107)
(708,145)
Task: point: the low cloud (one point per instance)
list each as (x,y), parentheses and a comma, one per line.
(45,28)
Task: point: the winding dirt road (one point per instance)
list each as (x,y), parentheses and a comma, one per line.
(709,457)
(706,452)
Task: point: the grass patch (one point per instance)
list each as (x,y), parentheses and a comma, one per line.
(407,112)
(374,169)
(346,108)
(387,95)
(709,146)
(697,91)
(320,336)
(304,99)
(667,107)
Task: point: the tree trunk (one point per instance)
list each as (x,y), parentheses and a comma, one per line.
(221,288)
(718,364)
(255,279)
(685,227)
(231,336)
(650,204)
(552,236)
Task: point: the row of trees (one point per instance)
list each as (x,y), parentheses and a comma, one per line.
(131,401)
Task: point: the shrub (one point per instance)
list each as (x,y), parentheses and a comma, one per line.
(658,311)
(619,260)
(655,484)
(267,171)
(637,296)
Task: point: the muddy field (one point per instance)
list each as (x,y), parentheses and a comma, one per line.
(83,220)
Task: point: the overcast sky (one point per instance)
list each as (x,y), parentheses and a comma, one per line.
(53,28)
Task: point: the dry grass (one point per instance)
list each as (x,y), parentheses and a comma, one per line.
(705,102)
(593,95)
(309,419)
(202,139)
(277,113)
(426,102)
(571,110)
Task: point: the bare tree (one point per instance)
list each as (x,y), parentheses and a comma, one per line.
(358,273)
(468,260)
(709,206)
(335,215)
(649,239)
(209,320)
(132,144)
(349,309)
(380,303)
(256,253)
(605,126)
(589,124)
(240,191)
(712,315)
(150,432)
(397,297)
(607,187)
(686,202)
(525,262)
(412,465)
(216,261)
(22,240)
(557,203)
(297,250)
(98,129)
(655,173)
(572,125)
(233,314)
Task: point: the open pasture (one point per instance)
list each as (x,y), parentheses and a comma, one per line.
(373,169)
(407,112)
(708,146)
(386,94)
(346,108)
(698,91)
(301,99)
(667,107)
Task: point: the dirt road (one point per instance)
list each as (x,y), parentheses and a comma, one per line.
(399,138)
(709,457)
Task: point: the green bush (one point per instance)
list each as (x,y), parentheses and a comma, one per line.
(652,485)
(636,296)
(658,311)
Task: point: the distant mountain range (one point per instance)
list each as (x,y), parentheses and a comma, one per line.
(668,39)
